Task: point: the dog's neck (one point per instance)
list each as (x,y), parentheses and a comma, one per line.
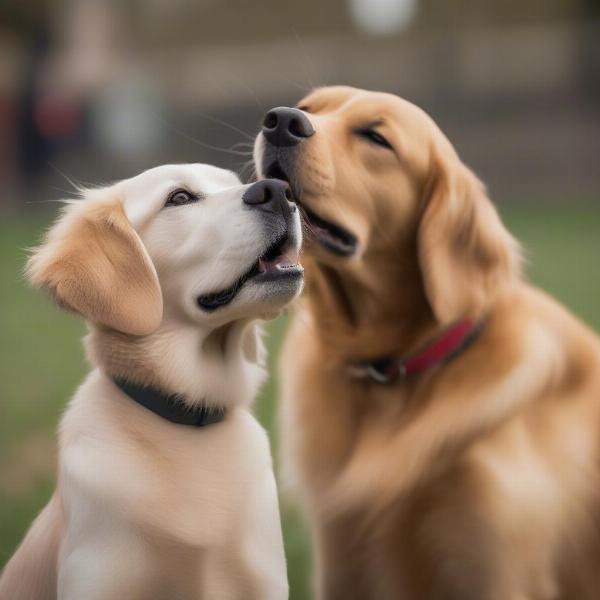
(358,313)
(218,368)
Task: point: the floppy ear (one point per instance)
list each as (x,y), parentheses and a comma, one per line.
(94,263)
(465,253)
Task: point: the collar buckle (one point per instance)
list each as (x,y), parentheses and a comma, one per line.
(385,371)
(450,343)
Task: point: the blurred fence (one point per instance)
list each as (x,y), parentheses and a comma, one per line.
(97,91)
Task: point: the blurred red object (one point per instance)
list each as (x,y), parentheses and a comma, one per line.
(58,116)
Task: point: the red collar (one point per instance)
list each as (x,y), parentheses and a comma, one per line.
(388,369)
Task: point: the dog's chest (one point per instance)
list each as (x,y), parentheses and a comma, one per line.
(196,485)
(193,506)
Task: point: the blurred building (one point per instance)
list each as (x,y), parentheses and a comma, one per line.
(112,87)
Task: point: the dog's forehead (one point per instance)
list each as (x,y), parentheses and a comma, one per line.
(199,177)
(354,102)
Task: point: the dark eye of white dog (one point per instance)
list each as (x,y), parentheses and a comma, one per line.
(374,137)
(180,197)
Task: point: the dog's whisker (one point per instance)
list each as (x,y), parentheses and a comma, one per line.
(303,88)
(198,142)
(304,54)
(255,97)
(208,146)
(78,186)
(248,172)
(54,189)
(51,200)
(260,105)
(239,148)
(225,124)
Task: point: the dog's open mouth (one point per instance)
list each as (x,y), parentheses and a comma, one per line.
(330,235)
(280,260)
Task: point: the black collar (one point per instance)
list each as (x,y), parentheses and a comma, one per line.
(170,406)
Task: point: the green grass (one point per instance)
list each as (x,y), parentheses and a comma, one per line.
(41,359)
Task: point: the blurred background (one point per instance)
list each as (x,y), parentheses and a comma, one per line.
(96,90)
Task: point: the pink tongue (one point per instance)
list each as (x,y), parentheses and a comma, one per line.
(283,261)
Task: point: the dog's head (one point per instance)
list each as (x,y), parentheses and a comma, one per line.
(379,184)
(184,241)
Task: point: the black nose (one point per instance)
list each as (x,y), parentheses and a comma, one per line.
(270,194)
(285,126)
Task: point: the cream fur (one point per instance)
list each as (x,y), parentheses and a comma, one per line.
(145,509)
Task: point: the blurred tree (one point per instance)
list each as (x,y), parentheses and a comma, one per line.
(590,50)
(24,18)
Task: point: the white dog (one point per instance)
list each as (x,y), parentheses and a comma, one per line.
(165,486)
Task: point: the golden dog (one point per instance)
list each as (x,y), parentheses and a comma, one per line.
(441,415)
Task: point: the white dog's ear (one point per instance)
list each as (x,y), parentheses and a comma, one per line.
(94,263)
(465,252)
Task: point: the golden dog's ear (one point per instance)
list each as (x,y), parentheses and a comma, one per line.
(93,262)
(465,253)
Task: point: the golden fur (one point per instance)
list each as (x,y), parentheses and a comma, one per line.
(478,479)
(95,264)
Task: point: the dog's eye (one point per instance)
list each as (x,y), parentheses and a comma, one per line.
(374,137)
(179,197)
